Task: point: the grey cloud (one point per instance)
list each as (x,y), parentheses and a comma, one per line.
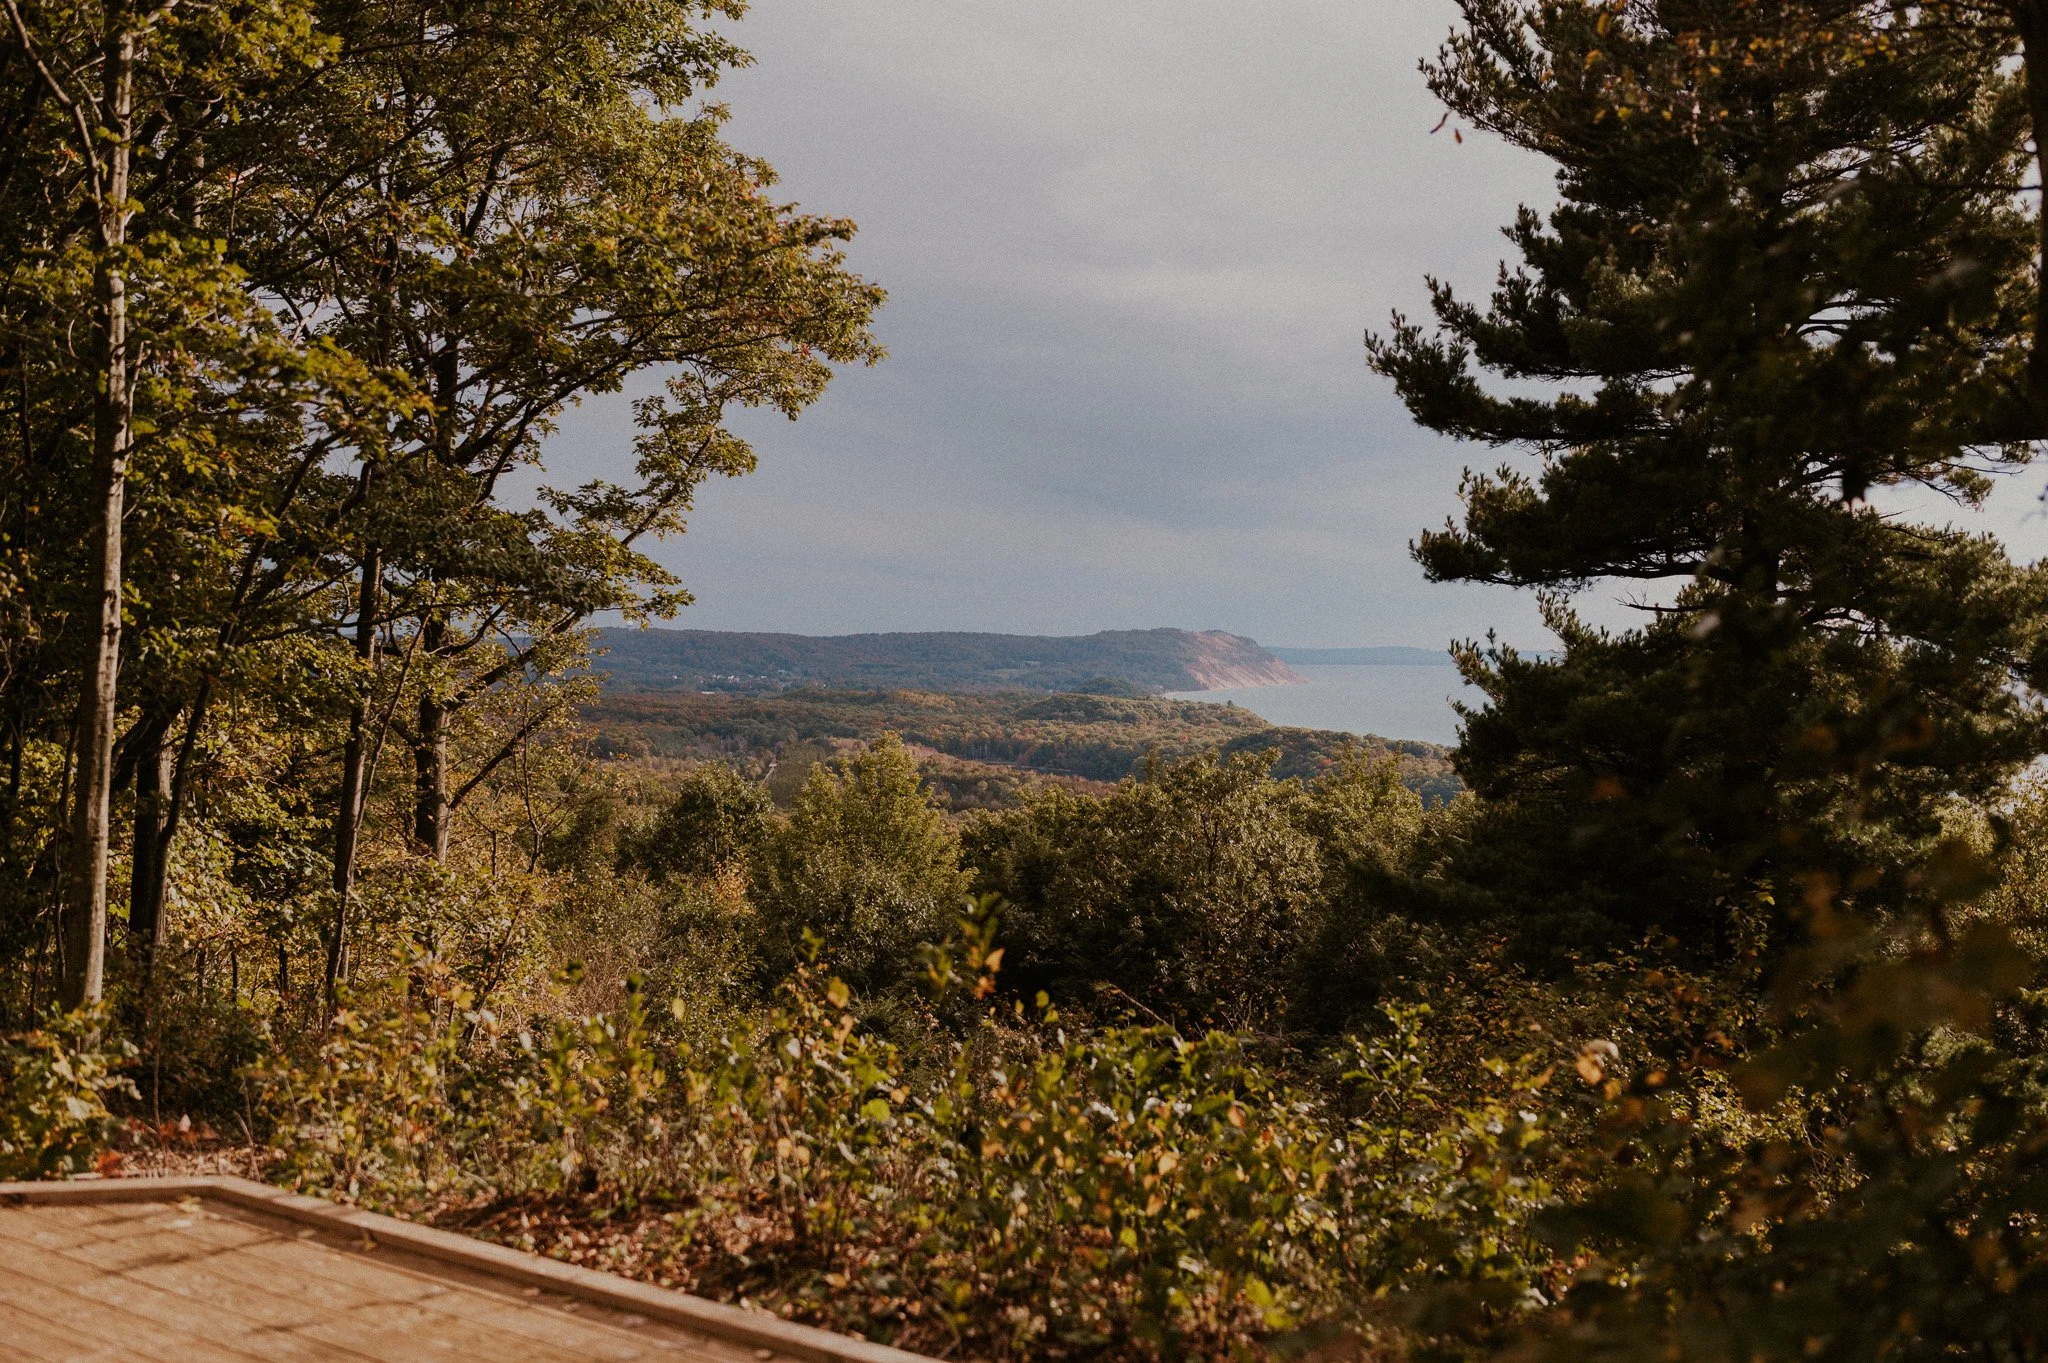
(1131,247)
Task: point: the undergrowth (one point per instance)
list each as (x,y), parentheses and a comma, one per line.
(1042,1192)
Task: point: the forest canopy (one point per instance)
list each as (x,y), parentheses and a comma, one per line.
(1701,1019)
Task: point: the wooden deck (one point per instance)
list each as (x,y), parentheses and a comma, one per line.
(215,1269)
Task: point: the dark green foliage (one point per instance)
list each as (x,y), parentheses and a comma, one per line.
(717,817)
(864,863)
(1207,892)
(961,786)
(1801,280)
(1369,937)
(1179,892)
(1789,267)
(376,251)
(1886,1198)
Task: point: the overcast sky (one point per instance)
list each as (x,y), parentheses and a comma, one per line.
(1131,247)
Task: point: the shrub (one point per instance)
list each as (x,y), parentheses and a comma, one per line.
(718,816)
(1184,891)
(54,1085)
(1037,1191)
(1356,941)
(379,1113)
(420,1095)
(865,861)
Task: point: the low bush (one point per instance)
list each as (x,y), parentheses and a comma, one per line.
(54,1086)
(866,860)
(1040,1193)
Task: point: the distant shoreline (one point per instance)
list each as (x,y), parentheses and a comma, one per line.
(1383,656)
(1414,700)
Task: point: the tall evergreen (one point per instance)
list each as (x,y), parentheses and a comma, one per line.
(1787,270)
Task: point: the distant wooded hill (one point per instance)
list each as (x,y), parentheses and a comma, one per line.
(1115,661)
(990,742)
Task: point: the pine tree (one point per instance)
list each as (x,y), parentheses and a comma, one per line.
(1787,266)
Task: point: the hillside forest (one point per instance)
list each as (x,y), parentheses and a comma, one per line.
(982,750)
(1137,661)
(1702,1020)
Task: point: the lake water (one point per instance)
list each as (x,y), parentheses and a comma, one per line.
(1391,701)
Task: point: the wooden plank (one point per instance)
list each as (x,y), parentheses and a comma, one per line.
(111,1214)
(480,1297)
(120,1291)
(62,1227)
(140,1238)
(269,1315)
(363,1289)
(29,1336)
(750,1328)
(88,1189)
(337,1307)
(53,1296)
(261,1253)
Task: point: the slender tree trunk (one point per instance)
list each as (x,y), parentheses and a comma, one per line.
(348,818)
(2031,18)
(162,775)
(155,763)
(430,744)
(430,755)
(10,803)
(85,928)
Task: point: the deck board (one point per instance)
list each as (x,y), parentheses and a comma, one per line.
(152,1272)
(261,1258)
(177,1280)
(31,1337)
(185,1282)
(315,1292)
(113,1314)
